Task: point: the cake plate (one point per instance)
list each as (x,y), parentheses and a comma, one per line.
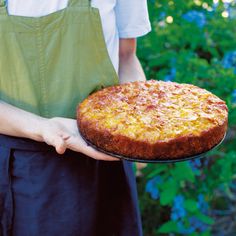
(166,160)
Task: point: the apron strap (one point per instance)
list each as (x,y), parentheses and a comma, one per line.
(3,7)
(82,3)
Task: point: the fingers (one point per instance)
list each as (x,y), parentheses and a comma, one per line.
(77,144)
(99,155)
(60,145)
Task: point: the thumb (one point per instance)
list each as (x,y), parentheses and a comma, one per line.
(60,145)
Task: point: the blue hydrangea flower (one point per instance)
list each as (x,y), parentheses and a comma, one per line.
(205,161)
(196,17)
(229,61)
(202,204)
(198,225)
(195,165)
(152,188)
(232,12)
(178,211)
(215,4)
(229,9)
(162,15)
(233,186)
(195,226)
(183,230)
(171,75)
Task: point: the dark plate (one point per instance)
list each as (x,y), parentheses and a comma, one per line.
(166,160)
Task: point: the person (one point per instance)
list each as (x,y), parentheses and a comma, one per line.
(53,54)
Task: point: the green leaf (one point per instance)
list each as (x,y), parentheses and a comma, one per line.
(168,227)
(156,171)
(191,205)
(194,234)
(168,193)
(205,234)
(167,196)
(183,171)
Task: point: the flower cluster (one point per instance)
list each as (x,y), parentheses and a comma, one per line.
(232,12)
(178,210)
(183,229)
(171,75)
(178,213)
(196,17)
(202,204)
(152,187)
(195,165)
(234,97)
(197,225)
(229,61)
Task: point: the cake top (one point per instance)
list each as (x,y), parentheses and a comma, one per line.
(154,110)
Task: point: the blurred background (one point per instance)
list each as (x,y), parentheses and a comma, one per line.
(192,41)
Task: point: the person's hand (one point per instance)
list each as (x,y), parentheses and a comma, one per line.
(62,133)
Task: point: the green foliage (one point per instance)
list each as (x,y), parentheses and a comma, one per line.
(193,48)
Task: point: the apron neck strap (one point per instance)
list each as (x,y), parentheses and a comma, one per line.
(82,3)
(3,7)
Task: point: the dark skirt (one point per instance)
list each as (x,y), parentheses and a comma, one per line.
(46,194)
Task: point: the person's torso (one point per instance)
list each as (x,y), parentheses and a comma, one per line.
(34,8)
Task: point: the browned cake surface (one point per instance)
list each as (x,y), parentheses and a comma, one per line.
(153,119)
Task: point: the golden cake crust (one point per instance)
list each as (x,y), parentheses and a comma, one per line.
(153,120)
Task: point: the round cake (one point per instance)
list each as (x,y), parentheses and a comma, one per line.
(153,120)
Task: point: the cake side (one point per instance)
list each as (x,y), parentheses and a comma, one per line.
(180,147)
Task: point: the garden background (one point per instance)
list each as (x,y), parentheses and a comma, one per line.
(192,41)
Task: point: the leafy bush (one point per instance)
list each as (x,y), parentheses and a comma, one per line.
(191,42)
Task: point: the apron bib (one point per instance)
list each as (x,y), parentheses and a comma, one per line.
(48,65)
(53,62)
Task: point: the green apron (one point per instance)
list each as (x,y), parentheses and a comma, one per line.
(52,63)
(47,66)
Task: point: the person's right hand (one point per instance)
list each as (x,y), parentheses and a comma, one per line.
(62,133)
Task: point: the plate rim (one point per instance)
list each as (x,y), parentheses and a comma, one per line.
(166,160)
